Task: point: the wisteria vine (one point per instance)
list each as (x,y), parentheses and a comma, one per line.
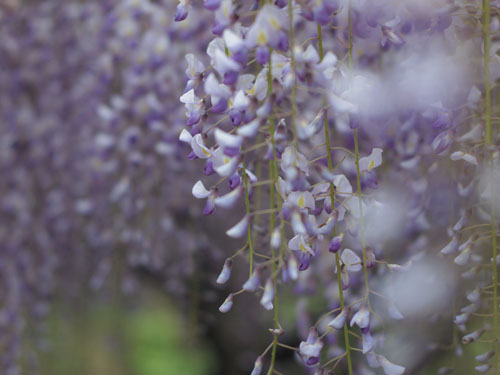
(348,149)
(311,203)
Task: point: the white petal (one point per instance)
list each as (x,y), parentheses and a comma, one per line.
(226,306)
(194,65)
(339,321)
(342,186)
(351,260)
(464,156)
(463,258)
(228,200)
(361,318)
(225,139)
(342,105)
(241,101)
(245,81)
(310,54)
(276,238)
(410,163)
(368,342)
(199,148)
(389,367)
(233,41)
(249,130)
(199,191)
(227,168)
(238,230)
(185,136)
(222,63)
(451,247)
(294,243)
(372,161)
(302,199)
(352,205)
(253,178)
(297,224)
(189,98)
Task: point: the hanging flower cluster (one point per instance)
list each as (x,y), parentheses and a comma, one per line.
(348,146)
(351,132)
(89,118)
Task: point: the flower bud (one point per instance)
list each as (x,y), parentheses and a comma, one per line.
(276,238)
(339,321)
(225,274)
(335,243)
(293,268)
(361,318)
(370,258)
(483,369)
(240,229)
(461,318)
(485,356)
(444,370)
(474,296)
(228,303)
(229,200)
(442,141)
(368,342)
(463,220)
(181,13)
(474,336)
(311,348)
(463,258)
(277,331)
(389,367)
(267,298)
(257,367)
(253,283)
(451,247)
(211,4)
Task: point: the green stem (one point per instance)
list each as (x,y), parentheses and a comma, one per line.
(495,268)
(349,38)
(489,142)
(247,209)
(361,219)
(272,223)
(358,177)
(332,197)
(293,63)
(258,188)
(275,278)
(486,45)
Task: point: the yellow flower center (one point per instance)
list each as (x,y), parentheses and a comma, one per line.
(262,37)
(301,202)
(371,165)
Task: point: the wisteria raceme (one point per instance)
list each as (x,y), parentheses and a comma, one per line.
(89,117)
(346,149)
(353,124)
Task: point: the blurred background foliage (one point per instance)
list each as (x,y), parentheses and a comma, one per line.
(150,334)
(150,338)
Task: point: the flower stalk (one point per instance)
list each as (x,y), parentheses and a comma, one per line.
(332,197)
(247,209)
(272,222)
(294,72)
(489,142)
